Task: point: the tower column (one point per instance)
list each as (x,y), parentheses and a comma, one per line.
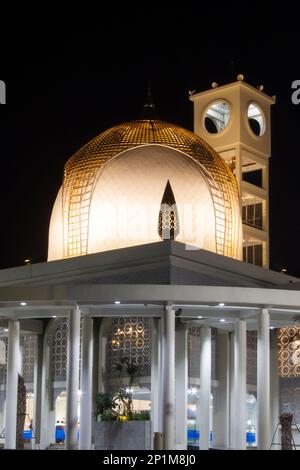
(73,379)
(156,376)
(274,381)
(47,431)
(13,361)
(205,387)
(168,379)
(263,380)
(181,380)
(85,439)
(221,403)
(240,379)
(37,400)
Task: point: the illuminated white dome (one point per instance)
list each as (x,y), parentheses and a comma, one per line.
(113,189)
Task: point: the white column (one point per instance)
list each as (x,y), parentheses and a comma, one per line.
(274,382)
(168,386)
(13,362)
(156,376)
(205,387)
(102,349)
(47,405)
(85,436)
(37,398)
(263,381)
(73,379)
(95,371)
(231,390)
(221,402)
(181,380)
(240,379)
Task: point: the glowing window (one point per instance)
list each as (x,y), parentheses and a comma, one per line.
(256,120)
(217,117)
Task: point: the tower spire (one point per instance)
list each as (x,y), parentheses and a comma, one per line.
(149,111)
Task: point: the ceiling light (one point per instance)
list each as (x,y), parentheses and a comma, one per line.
(222,320)
(117,302)
(6,329)
(23,304)
(199,317)
(53,316)
(221,304)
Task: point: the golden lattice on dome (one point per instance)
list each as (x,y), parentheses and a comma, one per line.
(81,169)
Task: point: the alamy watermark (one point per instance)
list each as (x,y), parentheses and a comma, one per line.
(296,93)
(2,92)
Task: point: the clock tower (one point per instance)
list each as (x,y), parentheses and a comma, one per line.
(235,120)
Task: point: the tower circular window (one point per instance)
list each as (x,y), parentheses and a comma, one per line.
(256,119)
(217,117)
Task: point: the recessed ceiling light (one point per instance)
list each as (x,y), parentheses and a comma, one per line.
(53,316)
(221,304)
(5,329)
(117,302)
(222,320)
(200,317)
(23,304)
(272,327)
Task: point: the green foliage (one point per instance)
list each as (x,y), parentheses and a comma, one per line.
(107,415)
(126,365)
(117,405)
(141,415)
(105,402)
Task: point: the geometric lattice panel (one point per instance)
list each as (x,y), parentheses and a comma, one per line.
(29,347)
(251,357)
(3,360)
(59,351)
(130,337)
(289,351)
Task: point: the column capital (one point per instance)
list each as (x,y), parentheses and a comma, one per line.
(169,308)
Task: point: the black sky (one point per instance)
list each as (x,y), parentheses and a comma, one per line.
(68,80)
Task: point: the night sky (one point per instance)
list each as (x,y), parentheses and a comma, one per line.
(68,81)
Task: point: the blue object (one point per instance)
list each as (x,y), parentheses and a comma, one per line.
(250,437)
(27,434)
(59,434)
(194,435)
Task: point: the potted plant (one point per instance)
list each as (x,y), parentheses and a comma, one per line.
(118,425)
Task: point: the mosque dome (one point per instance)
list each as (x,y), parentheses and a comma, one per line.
(115,188)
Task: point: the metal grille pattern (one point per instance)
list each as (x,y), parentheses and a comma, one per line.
(251,357)
(80,176)
(289,351)
(59,350)
(3,366)
(29,349)
(130,337)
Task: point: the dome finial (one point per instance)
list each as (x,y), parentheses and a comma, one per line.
(149,111)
